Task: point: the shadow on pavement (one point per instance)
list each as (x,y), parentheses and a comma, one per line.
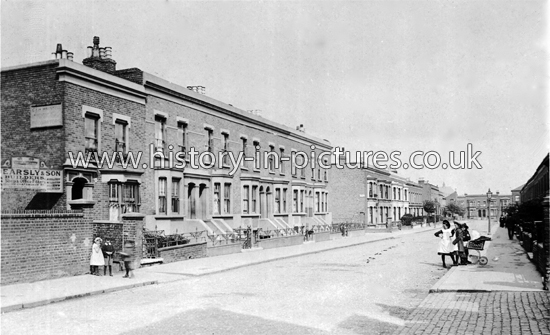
(362,324)
(218,321)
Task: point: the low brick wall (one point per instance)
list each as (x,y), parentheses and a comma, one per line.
(227,249)
(183,252)
(39,245)
(351,233)
(284,241)
(378,230)
(321,236)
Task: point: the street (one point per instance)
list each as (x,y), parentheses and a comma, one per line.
(366,289)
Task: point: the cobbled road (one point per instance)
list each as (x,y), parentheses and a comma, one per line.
(367,289)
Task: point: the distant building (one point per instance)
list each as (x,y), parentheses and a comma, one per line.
(415,198)
(446,190)
(431,192)
(477,207)
(516,194)
(369,195)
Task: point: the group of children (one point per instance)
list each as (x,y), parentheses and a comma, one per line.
(103,255)
(453,242)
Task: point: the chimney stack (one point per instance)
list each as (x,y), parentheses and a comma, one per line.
(62,54)
(198,89)
(99,58)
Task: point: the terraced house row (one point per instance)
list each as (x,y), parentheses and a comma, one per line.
(95,108)
(376,197)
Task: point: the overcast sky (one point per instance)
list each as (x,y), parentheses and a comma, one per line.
(365,75)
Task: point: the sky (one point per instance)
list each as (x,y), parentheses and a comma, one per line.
(365,75)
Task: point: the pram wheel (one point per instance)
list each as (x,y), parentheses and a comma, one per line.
(483,260)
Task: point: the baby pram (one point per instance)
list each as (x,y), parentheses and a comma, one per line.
(478,245)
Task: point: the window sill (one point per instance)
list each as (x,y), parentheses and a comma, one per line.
(169,217)
(300,214)
(271,172)
(280,214)
(106,221)
(221,216)
(250,215)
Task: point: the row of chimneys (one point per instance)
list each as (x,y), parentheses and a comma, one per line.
(92,51)
(257,112)
(62,54)
(96,52)
(99,58)
(198,89)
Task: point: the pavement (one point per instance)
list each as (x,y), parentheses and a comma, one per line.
(27,295)
(503,297)
(508,270)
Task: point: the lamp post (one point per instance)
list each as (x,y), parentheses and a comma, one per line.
(489,194)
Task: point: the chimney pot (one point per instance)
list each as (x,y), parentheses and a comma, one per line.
(59,48)
(108,52)
(100,58)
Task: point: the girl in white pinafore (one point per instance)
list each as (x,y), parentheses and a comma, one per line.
(446,247)
(96,259)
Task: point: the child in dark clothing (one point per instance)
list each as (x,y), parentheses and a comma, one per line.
(108,254)
(128,257)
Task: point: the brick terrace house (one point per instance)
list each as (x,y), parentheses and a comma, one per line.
(53,108)
(536,188)
(416,206)
(373,196)
(476,205)
(516,194)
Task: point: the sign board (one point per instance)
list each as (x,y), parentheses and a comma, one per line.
(31,174)
(25,163)
(46,116)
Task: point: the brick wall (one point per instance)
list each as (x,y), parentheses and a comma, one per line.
(38,245)
(197,138)
(109,230)
(77,96)
(345,188)
(132,230)
(134,75)
(21,89)
(545,269)
(183,252)
(541,250)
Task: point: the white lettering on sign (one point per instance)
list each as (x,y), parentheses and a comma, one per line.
(46,116)
(50,181)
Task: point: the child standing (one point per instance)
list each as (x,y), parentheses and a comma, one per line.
(108,254)
(96,259)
